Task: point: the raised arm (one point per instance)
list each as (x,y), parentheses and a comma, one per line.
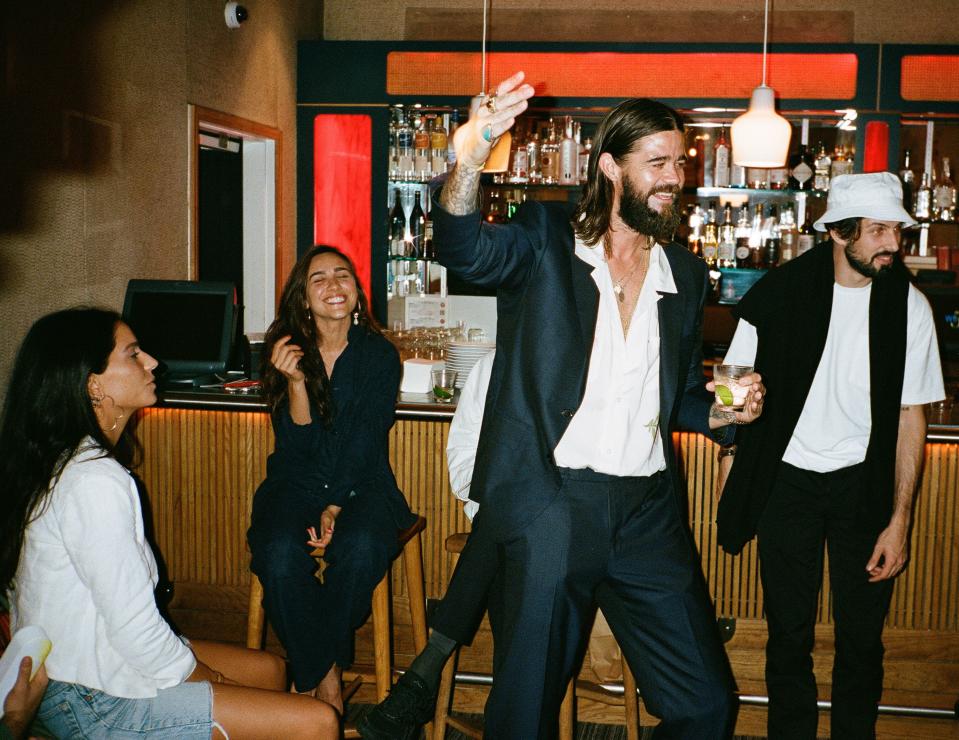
(490,117)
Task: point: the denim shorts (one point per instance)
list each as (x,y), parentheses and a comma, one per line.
(182,712)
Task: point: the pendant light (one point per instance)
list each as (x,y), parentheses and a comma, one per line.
(760,135)
(498,160)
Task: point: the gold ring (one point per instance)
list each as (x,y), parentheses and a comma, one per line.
(490,103)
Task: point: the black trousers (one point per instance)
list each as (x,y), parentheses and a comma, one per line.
(621,543)
(461,610)
(806,510)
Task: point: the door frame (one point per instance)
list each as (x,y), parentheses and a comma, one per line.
(209,120)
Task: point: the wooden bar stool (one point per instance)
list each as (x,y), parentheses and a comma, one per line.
(382,676)
(567,713)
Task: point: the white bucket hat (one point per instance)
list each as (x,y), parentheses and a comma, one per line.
(876,195)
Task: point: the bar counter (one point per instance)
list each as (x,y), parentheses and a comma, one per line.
(205,453)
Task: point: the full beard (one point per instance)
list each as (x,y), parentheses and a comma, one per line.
(866,268)
(639,217)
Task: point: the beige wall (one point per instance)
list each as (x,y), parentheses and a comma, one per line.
(93,168)
(873,21)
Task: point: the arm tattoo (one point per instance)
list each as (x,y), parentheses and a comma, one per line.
(460,194)
(716,412)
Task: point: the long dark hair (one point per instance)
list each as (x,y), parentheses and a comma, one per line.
(293,320)
(47,414)
(617,134)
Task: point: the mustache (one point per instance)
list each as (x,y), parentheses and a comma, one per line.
(671,189)
(883,254)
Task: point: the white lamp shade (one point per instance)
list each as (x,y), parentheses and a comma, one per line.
(760,135)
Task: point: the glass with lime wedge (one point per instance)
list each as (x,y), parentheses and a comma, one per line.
(730,395)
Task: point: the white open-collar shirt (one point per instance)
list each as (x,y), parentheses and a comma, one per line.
(616,428)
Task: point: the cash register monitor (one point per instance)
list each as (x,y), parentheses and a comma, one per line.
(186,325)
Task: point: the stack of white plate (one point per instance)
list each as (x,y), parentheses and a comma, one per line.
(461,356)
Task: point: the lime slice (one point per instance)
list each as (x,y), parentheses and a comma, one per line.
(443,393)
(725,395)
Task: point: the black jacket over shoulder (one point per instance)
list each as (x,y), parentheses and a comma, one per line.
(791,308)
(547,305)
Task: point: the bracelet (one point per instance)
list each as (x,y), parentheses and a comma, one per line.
(728,451)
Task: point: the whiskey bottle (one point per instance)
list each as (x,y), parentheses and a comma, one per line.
(821,169)
(439,147)
(944,194)
(695,223)
(549,155)
(788,234)
(404,146)
(421,149)
(757,253)
(727,239)
(533,158)
(771,237)
(450,149)
(711,237)
(923,210)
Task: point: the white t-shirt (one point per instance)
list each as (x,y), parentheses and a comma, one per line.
(615,430)
(833,429)
(87,575)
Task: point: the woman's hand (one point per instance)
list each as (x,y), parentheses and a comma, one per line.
(327,523)
(21,703)
(490,117)
(203,672)
(286,358)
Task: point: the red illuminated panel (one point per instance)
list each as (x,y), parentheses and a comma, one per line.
(341,187)
(927,77)
(876,155)
(621,75)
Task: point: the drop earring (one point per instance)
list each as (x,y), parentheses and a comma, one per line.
(356,318)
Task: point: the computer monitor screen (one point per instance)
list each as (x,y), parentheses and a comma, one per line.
(186,325)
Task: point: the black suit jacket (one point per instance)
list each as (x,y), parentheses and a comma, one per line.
(547,304)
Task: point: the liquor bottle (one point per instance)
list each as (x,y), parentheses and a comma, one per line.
(439,147)
(908,177)
(742,238)
(450,149)
(394,125)
(417,228)
(428,252)
(404,146)
(549,155)
(806,240)
(772,240)
(695,238)
(711,237)
(944,195)
(821,167)
(923,203)
(788,234)
(533,158)
(721,160)
(800,163)
(757,253)
(421,149)
(585,149)
(519,157)
(727,239)
(568,156)
(708,158)
(397,230)
(842,162)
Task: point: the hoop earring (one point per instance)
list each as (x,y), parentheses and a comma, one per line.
(98,403)
(356,318)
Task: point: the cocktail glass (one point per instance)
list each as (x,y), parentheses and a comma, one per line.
(730,395)
(444,383)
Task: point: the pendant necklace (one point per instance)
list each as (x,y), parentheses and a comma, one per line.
(619,285)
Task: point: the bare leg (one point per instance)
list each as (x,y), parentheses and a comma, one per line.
(330,689)
(258,714)
(255,668)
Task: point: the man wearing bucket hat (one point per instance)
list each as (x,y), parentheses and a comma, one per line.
(847,347)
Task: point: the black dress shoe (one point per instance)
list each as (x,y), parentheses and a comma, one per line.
(400,715)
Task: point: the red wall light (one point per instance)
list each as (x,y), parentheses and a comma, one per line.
(342,179)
